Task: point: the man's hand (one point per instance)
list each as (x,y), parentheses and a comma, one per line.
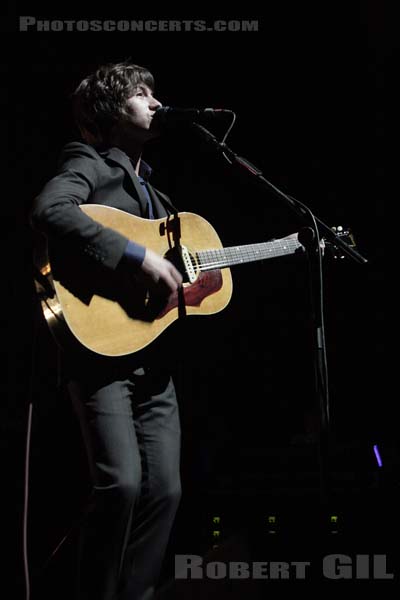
(160,274)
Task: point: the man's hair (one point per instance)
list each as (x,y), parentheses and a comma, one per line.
(99,101)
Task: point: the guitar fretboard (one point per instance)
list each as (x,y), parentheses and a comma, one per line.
(235,255)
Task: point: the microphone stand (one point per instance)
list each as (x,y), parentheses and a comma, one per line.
(313,248)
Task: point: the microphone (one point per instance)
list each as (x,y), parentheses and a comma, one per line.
(168,114)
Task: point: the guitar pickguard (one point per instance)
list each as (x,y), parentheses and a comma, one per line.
(207,283)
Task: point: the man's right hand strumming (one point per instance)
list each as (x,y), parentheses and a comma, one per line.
(160,275)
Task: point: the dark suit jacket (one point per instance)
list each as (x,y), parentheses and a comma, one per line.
(86,175)
(85,256)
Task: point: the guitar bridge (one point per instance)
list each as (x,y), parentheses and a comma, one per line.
(184,262)
(188,264)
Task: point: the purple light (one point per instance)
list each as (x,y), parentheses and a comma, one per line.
(377,455)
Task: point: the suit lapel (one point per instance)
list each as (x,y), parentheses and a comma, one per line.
(116,155)
(161,204)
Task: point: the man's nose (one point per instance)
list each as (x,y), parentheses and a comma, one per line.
(155,104)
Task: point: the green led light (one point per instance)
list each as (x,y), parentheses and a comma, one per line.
(216,534)
(334,518)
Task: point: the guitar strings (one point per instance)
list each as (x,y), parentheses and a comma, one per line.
(211,262)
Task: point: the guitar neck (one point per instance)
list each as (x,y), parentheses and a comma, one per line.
(236,255)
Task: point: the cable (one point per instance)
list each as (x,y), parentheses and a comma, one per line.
(27,456)
(26,503)
(223,141)
(321,358)
(321,345)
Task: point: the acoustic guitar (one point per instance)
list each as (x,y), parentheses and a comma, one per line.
(114,323)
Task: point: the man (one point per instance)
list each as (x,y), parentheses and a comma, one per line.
(127,407)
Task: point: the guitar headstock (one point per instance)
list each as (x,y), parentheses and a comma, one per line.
(346,235)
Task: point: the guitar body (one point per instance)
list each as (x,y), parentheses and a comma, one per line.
(113,327)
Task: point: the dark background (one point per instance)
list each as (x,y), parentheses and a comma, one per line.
(308,92)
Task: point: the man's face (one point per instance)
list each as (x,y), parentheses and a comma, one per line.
(141,107)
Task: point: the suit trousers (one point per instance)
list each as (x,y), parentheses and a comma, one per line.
(131,431)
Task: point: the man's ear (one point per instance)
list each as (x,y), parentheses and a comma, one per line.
(90,137)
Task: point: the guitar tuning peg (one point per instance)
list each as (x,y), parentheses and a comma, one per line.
(347,236)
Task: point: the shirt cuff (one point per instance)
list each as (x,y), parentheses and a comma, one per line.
(134,254)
